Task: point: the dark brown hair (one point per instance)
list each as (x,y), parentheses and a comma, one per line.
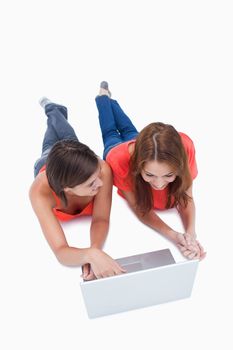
(69,163)
(161,142)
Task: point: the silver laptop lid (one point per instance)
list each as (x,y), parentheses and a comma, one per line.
(154,285)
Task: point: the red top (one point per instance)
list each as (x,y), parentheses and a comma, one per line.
(118,158)
(64,216)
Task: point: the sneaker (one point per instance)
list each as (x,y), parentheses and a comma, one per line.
(104,90)
(44,101)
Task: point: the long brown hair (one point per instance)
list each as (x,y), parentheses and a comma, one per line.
(161,142)
(69,163)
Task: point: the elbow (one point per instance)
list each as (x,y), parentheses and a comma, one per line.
(60,259)
(61,256)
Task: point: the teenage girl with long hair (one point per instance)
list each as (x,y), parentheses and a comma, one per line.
(153,169)
(71,181)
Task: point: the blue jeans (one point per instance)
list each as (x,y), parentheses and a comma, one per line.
(115,125)
(58,129)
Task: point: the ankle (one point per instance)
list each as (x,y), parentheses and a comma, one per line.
(44,101)
(104,92)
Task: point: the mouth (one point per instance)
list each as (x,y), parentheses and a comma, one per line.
(158,188)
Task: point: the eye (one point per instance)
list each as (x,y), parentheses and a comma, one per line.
(149,175)
(169,175)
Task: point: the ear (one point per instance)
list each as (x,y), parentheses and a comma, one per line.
(67,189)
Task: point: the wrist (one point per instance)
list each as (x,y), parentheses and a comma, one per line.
(192,234)
(89,252)
(92,253)
(96,245)
(172,235)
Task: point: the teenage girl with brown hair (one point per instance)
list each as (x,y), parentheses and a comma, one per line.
(153,169)
(71,181)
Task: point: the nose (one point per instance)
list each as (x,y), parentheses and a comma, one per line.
(158,183)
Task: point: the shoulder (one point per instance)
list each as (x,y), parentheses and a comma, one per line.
(105,168)
(40,189)
(187,141)
(191,154)
(41,183)
(106,174)
(119,158)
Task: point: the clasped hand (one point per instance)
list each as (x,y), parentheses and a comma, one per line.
(189,246)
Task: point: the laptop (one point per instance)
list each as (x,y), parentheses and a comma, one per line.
(152,278)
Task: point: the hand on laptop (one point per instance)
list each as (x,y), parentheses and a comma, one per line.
(189,246)
(87,273)
(101,265)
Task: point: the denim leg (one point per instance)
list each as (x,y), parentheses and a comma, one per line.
(50,137)
(58,129)
(40,162)
(57,125)
(110,134)
(123,122)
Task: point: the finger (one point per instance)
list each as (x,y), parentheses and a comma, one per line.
(90,276)
(194,255)
(202,252)
(119,267)
(186,253)
(82,275)
(188,240)
(108,274)
(182,240)
(200,247)
(190,254)
(122,269)
(86,270)
(203,256)
(181,248)
(194,248)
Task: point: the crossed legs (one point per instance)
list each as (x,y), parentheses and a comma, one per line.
(58,129)
(116,127)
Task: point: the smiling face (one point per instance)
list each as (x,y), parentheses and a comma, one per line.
(88,188)
(158,174)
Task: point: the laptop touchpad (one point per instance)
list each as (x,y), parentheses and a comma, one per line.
(147,260)
(136,266)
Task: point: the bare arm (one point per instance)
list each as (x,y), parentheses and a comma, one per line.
(190,249)
(101,209)
(99,229)
(43,202)
(188,214)
(151,219)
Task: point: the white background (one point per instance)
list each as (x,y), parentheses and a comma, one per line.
(167,61)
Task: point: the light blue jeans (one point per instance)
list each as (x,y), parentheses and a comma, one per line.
(58,129)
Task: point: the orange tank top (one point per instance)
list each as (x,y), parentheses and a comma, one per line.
(87,211)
